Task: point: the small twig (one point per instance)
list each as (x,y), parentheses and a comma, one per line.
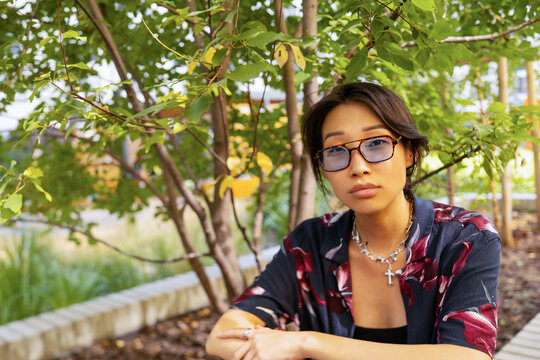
(210,150)
(62,44)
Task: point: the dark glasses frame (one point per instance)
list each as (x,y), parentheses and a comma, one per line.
(318,156)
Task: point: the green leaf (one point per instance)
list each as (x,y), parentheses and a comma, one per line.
(357,64)
(40,189)
(301,77)
(441,30)
(46,40)
(395,54)
(82,66)
(497,107)
(33,172)
(459,52)
(443,62)
(352,24)
(178,127)
(195,110)
(14,203)
(154,109)
(72,34)
(423,56)
(219,56)
(158,137)
(247,72)
(426,5)
(38,86)
(465,102)
(43,76)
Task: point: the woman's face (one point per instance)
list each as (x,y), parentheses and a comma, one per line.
(364,187)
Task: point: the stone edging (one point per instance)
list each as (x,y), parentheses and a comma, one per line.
(57,332)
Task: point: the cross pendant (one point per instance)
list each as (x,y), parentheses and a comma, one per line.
(390,274)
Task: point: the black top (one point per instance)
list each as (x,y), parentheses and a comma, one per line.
(396,335)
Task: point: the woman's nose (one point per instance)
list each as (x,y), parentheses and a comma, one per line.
(358,164)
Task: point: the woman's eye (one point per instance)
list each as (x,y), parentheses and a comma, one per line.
(377,143)
(335,150)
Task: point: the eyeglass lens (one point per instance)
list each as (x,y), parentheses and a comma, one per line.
(373,150)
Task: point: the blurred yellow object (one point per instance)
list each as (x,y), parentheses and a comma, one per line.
(242,188)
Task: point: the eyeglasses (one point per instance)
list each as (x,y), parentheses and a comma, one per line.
(373,150)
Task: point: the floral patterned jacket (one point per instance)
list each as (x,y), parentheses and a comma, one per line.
(448,285)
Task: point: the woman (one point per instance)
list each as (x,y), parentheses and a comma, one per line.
(394,277)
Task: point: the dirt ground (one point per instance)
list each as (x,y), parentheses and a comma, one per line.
(183,337)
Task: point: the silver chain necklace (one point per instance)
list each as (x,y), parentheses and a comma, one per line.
(362,245)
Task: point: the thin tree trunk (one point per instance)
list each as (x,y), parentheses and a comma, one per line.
(506,176)
(306,199)
(291,104)
(221,208)
(196,265)
(536,134)
(494,202)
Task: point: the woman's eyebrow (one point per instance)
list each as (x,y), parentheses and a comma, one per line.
(333,133)
(369,128)
(373,127)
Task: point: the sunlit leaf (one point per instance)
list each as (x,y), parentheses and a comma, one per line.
(225,185)
(298,57)
(281,55)
(264,162)
(14,203)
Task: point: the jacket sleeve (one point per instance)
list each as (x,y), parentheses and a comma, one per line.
(467,292)
(273,295)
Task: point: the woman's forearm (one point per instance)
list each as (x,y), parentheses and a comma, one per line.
(232,319)
(322,346)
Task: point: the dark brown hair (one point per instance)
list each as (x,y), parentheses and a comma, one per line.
(388,107)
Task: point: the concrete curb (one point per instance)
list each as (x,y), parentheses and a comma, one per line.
(57,332)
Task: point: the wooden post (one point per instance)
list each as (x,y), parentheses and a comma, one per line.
(506,176)
(535,133)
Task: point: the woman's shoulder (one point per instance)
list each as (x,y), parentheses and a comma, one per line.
(313,231)
(461,225)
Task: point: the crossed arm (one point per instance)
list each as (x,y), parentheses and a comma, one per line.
(226,341)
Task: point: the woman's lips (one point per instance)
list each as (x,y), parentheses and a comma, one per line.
(363,191)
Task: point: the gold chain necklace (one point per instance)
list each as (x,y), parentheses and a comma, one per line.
(390,258)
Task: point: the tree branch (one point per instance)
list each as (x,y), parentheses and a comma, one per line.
(445,166)
(467,39)
(89,235)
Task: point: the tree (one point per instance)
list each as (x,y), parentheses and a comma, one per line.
(183,66)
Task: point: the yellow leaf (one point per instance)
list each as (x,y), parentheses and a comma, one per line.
(298,57)
(264,162)
(190,67)
(33,172)
(235,164)
(281,55)
(206,59)
(225,184)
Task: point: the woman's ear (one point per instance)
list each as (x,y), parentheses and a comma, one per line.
(410,156)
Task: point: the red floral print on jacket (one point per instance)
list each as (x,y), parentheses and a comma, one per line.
(304,265)
(480,326)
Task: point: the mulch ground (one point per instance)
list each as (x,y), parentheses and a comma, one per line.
(183,337)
